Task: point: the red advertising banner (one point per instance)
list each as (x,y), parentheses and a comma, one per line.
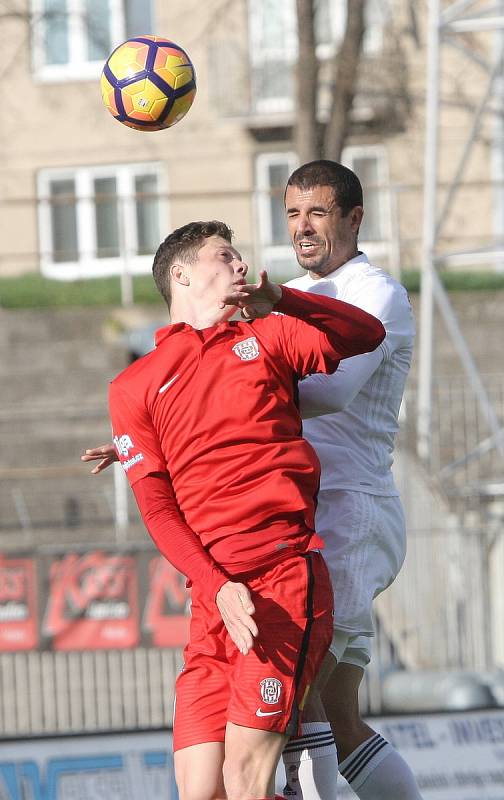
(93,602)
(18,605)
(166,615)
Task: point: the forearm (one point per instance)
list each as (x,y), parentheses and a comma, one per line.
(328,394)
(350,330)
(180,545)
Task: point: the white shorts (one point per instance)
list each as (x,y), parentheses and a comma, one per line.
(365,546)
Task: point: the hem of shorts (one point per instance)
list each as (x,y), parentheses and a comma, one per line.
(352,487)
(276,729)
(353,631)
(208,739)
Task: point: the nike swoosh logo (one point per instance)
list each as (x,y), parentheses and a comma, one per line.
(168,384)
(261,713)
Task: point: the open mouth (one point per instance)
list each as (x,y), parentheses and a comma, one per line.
(307,247)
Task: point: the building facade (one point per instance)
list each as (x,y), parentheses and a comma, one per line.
(84,196)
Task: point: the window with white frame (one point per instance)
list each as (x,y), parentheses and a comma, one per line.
(99,221)
(370,165)
(72,38)
(272,172)
(273,44)
(273,50)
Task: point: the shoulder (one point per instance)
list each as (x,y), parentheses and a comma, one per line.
(302,282)
(365,272)
(367,281)
(138,374)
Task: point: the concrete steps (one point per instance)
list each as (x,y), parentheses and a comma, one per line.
(55,366)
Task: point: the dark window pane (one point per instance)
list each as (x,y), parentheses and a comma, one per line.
(97,24)
(55,21)
(63,221)
(366,167)
(273,80)
(138,17)
(278,175)
(106,216)
(273,48)
(147,213)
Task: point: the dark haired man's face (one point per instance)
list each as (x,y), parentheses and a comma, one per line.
(323,239)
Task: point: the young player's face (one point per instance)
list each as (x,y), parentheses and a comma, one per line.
(217,270)
(323,239)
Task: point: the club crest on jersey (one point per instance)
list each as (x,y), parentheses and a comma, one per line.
(123,444)
(271,689)
(247,350)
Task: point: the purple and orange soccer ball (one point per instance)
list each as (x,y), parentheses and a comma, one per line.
(148,83)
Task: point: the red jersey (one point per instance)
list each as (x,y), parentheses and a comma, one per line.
(216,410)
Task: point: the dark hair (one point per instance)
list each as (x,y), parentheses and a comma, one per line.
(184,244)
(345,184)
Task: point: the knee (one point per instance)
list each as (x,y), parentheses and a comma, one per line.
(236,775)
(242,777)
(196,787)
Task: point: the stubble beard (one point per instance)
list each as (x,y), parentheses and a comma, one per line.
(314,265)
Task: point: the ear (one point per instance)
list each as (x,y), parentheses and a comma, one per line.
(178,274)
(356,215)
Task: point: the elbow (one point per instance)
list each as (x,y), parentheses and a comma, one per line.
(377,335)
(330,405)
(340,400)
(339,404)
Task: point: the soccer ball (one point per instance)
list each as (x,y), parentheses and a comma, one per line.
(148,83)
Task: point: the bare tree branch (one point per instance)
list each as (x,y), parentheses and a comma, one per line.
(345,72)
(306,129)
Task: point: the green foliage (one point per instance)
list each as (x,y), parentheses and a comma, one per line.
(34,291)
(458,281)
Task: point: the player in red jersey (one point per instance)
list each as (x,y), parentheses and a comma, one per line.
(207,429)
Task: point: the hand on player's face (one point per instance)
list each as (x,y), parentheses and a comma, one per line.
(254,299)
(236,609)
(105,454)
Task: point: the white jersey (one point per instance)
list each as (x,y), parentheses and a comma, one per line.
(355,445)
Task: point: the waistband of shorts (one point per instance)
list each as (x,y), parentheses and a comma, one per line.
(310,543)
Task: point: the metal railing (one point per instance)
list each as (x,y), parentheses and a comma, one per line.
(50,693)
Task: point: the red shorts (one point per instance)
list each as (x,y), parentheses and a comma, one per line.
(265,689)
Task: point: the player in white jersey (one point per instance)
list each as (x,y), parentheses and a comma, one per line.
(351,420)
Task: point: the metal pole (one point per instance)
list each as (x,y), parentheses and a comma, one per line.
(126,277)
(120,503)
(395,235)
(498,141)
(429,233)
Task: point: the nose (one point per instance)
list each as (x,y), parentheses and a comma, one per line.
(304,225)
(241,268)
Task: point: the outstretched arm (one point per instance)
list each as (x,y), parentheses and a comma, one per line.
(345,329)
(327,394)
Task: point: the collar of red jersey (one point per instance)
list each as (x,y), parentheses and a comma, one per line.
(177,327)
